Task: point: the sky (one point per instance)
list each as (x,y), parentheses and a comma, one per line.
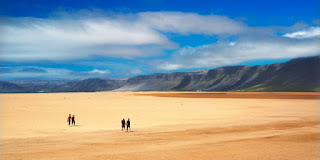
(75,40)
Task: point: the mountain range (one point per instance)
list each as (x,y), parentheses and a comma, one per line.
(300,74)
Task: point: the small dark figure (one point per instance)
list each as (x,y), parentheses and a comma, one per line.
(69,119)
(73,121)
(123,124)
(128,124)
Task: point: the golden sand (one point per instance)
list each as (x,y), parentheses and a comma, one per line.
(164,126)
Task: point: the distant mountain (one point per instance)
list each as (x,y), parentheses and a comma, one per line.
(39,85)
(7,87)
(90,85)
(163,81)
(301,74)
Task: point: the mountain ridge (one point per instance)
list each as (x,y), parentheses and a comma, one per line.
(300,74)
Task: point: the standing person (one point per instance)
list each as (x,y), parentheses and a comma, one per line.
(73,121)
(123,123)
(69,119)
(128,124)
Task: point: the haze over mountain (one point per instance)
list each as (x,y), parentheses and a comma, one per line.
(300,74)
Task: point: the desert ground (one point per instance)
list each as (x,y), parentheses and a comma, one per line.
(165,125)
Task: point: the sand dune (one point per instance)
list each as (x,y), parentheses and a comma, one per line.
(164,126)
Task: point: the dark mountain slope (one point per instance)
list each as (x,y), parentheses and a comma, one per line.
(161,81)
(301,74)
(7,87)
(39,85)
(90,85)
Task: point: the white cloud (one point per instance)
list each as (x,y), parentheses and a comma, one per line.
(232,43)
(135,71)
(179,22)
(100,71)
(125,36)
(168,66)
(60,39)
(143,35)
(308,33)
(244,49)
(31,72)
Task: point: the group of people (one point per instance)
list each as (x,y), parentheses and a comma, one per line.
(123,124)
(71,120)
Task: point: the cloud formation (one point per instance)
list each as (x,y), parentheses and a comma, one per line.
(8,73)
(60,39)
(308,33)
(122,36)
(136,41)
(244,49)
(186,23)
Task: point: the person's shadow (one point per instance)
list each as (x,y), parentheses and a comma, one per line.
(77,125)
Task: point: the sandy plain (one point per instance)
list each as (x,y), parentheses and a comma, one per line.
(165,125)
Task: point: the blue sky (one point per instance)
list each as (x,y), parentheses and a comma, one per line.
(116,39)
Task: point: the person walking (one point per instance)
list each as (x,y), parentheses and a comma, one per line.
(128,125)
(123,124)
(69,119)
(73,121)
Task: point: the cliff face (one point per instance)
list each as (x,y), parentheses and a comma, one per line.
(301,74)
(161,81)
(90,85)
(221,79)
